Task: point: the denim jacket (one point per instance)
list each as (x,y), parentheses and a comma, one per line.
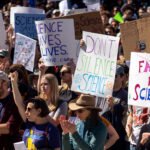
(87,137)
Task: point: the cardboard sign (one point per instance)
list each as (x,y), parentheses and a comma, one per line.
(3,33)
(139,88)
(24,10)
(25,24)
(24,51)
(90,21)
(135,36)
(95,70)
(57,41)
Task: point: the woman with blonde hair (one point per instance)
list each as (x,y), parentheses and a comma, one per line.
(48,90)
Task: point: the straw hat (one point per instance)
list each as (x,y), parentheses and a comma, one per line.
(82,102)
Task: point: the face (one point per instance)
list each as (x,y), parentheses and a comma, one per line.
(44,86)
(2,59)
(118,80)
(66,77)
(108,31)
(2,87)
(31,113)
(82,114)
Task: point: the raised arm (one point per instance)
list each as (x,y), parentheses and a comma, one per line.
(17,96)
(42,70)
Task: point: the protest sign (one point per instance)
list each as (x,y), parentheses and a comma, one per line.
(57,41)
(20,146)
(95,70)
(89,21)
(139,88)
(135,36)
(25,24)
(3,33)
(24,10)
(24,51)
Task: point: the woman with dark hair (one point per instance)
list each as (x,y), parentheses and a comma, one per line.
(39,133)
(89,133)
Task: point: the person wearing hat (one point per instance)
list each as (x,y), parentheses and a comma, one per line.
(90,132)
(4,61)
(10,119)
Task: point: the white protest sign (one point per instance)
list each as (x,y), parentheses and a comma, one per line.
(3,33)
(95,70)
(24,51)
(57,41)
(24,10)
(20,146)
(139,88)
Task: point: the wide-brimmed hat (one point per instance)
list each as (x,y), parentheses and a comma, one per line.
(84,101)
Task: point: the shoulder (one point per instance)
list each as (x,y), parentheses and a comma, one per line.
(105,121)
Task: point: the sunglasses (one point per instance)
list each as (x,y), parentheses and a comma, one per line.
(2,57)
(80,111)
(63,73)
(29,109)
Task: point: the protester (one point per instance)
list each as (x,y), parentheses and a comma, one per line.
(39,133)
(90,132)
(10,119)
(137,118)
(144,138)
(118,108)
(65,92)
(49,91)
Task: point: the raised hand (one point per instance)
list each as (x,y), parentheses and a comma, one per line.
(14,76)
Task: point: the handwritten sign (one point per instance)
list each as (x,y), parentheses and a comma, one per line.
(24,51)
(24,10)
(3,33)
(25,24)
(57,41)
(139,88)
(95,71)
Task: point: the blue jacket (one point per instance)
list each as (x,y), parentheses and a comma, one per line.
(87,137)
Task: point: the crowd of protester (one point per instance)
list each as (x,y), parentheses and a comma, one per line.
(40,109)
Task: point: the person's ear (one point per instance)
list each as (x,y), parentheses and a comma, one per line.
(39,111)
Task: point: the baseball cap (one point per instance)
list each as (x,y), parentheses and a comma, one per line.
(119,70)
(3,76)
(3,53)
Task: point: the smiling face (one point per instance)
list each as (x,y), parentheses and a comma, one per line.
(31,112)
